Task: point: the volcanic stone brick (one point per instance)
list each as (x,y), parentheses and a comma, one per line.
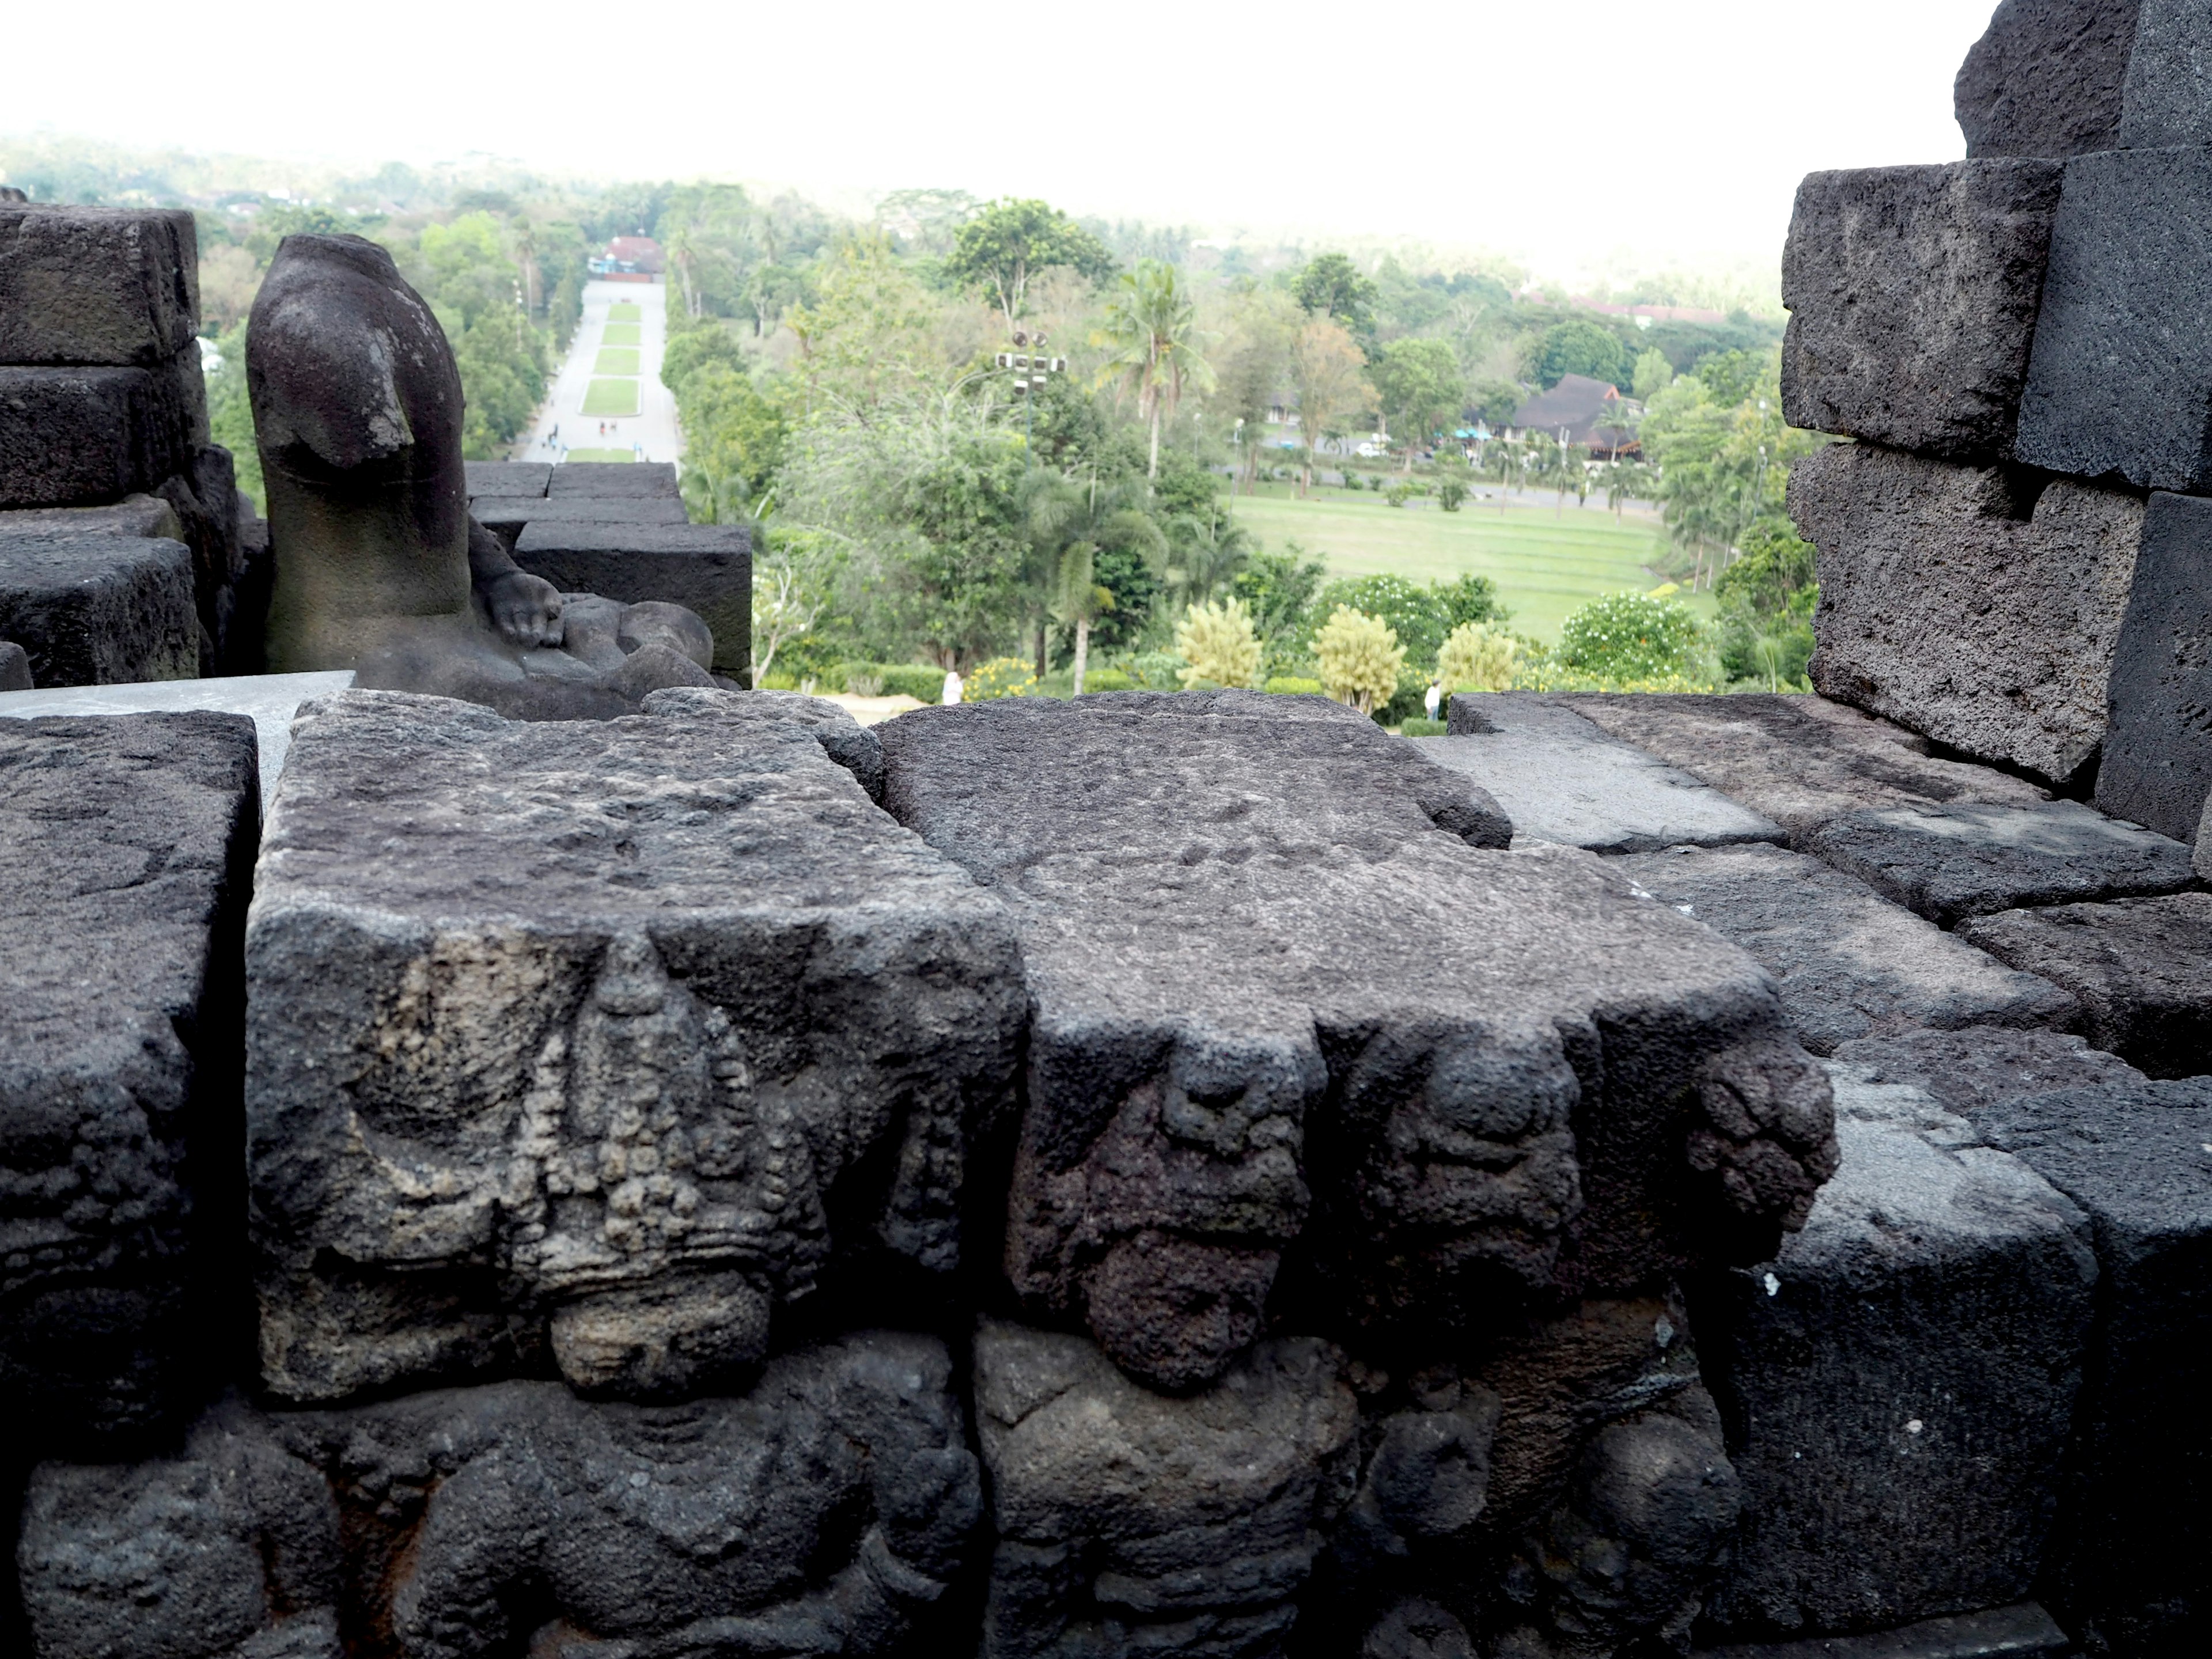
(1560,779)
(632,478)
(2168,96)
(2201,861)
(2128,1562)
(705,568)
(1129,1521)
(100,610)
(1233,908)
(2142,969)
(2047,78)
(505,515)
(134,515)
(1899,1382)
(86,286)
(2157,764)
(611,1033)
(2119,383)
(1976,1067)
(1912,294)
(14,667)
(129,851)
(507,477)
(2023,1631)
(69,436)
(1847,961)
(1963,608)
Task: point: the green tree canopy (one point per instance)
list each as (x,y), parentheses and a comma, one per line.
(1580,347)
(1421,388)
(1002,247)
(1330,285)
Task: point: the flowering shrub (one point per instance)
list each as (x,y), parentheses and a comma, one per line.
(1218,645)
(1001,677)
(1632,636)
(1476,658)
(1360,658)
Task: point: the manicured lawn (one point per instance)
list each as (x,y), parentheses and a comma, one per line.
(615,398)
(615,359)
(599,455)
(624,311)
(1545,564)
(623,334)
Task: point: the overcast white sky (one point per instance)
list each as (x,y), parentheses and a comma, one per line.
(1559,132)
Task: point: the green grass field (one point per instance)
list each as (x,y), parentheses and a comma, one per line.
(612,397)
(615,359)
(1545,565)
(625,311)
(600,455)
(623,334)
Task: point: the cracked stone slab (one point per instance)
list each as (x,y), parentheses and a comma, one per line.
(1977,1067)
(129,853)
(1560,779)
(1233,908)
(1848,961)
(605,1037)
(1900,1381)
(2142,969)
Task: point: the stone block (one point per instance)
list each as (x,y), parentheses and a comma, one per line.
(1800,760)
(2126,1570)
(2047,78)
(2142,969)
(610,1036)
(708,568)
(1976,1067)
(1235,909)
(633,478)
(140,515)
(2023,1631)
(1967,603)
(71,436)
(129,849)
(507,477)
(1899,1382)
(100,610)
(2157,764)
(2167,98)
(14,667)
(507,516)
(1950,862)
(2120,384)
(1559,778)
(1132,1522)
(86,285)
(1912,294)
(1847,961)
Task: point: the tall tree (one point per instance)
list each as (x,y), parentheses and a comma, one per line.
(1330,285)
(1330,373)
(1420,385)
(1151,330)
(1010,241)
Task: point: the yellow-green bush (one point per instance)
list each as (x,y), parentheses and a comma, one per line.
(1476,658)
(1107,679)
(1217,643)
(1293,685)
(1001,677)
(1360,658)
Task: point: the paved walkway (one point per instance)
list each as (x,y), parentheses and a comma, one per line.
(654,430)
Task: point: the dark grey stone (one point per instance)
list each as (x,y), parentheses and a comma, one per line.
(1234,908)
(2201,861)
(1899,1382)
(2142,969)
(1848,961)
(2127,1567)
(844,739)
(632,478)
(2047,78)
(507,478)
(484,938)
(2168,96)
(129,851)
(705,568)
(2023,1631)
(1801,761)
(1132,1522)
(2157,764)
(2118,384)
(1912,294)
(507,516)
(1976,1067)
(140,515)
(100,610)
(14,667)
(74,436)
(1964,605)
(86,285)
(1559,778)
(1954,861)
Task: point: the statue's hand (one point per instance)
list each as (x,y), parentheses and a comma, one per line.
(525,608)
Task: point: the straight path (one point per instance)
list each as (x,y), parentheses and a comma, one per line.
(653,431)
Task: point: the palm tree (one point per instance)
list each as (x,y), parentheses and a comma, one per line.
(1152,330)
(1069,522)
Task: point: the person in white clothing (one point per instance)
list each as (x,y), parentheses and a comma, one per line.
(951,686)
(1433,698)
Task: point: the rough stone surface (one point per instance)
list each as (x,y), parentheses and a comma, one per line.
(606,479)
(137,515)
(73,436)
(2023,1631)
(2118,383)
(1961,602)
(507,515)
(1129,1521)
(14,668)
(2127,1566)
(98,609)
(2142,969)
(609,1036)
(1899,1382)
(85,285)
(1559,778)
(129,845)
(1974,1068)
(2047,78)
(2157,764)
(507,478)
(705,568)
(1236,908)
(1848,961)
(1912,293)
(2201,861)
(1800,760)
(2168,96)
(1952,861)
